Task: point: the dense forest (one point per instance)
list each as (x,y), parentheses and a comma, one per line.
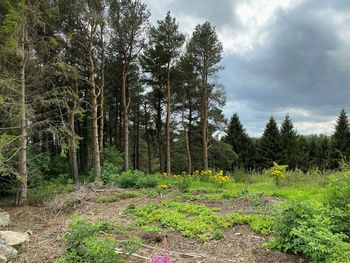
(83,80)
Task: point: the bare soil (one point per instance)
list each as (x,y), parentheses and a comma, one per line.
(49,221)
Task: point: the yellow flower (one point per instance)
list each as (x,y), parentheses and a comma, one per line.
(163,186)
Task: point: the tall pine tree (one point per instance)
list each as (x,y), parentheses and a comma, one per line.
(269,148)
(289,143)
(340,140)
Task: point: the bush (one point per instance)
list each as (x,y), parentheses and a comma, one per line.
(112,165)
(301,228)
(136,179)
(46,190)
(84,244)
(337,203)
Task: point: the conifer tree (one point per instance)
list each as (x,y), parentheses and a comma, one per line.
(289,143)
(269,148)
(340,139)
(206,49)
(238,139)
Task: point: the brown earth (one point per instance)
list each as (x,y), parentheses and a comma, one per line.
(48,223)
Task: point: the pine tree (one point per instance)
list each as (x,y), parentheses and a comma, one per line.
(238,139)
(129,20)
(289,145)
(165,44)
(206,50)
(340,139)
(269,147)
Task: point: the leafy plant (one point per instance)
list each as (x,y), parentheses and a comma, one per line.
(278,172)
(116,197)
(301,228)
(85,245)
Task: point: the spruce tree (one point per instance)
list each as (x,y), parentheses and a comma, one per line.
(340,139)
(269,148)
(289,145)
(238,139)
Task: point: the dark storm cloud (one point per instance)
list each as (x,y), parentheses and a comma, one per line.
(298,63)
(301,67)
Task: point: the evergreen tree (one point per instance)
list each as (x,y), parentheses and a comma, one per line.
(239,140)
(269,147)
(340,139)
(165,44)
(289,146)
(206,49)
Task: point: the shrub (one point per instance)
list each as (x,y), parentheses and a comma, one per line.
(46,190)
(112,165)
(184,184)
(85,245)
(337,203)
(136,179)
(116,197)
(301,228)
(278,172)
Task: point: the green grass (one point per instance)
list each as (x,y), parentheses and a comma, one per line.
(117,197)
(197,221)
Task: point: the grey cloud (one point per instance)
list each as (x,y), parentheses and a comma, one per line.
(298,67)
(302,67)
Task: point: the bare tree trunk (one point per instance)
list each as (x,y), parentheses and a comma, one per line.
(167,126)
(72,144)
(149,160)
(187,142)
(159,133)
(94,107)
(138,137)
(125,120)
(101,97)
(205,123)
(22,197)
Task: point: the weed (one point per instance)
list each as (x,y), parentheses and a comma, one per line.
(116,197)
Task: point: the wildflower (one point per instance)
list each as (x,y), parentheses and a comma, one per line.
(161,259)
(163,186)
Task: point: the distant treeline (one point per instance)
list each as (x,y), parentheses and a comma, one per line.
(286,146)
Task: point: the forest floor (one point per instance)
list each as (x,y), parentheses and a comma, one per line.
(49,221)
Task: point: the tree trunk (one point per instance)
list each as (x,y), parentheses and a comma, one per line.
(167,126)
(187,142)
(149,160)
(205,123)
(138,137)
(125,120)
(22,198)
(94,108)
(72,144)
(101,97)
(159,133)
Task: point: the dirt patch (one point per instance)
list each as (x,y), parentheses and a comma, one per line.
(240,244)
(49,222)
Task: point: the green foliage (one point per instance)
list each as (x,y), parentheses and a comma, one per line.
(116,197)
(196,221)
(136,179)
(301,228)
(278,172)
(131,245)
(184,184)
(289,143)
(112,166)
(45,190)
(269,147)
(85,245)
(262,224)
(11,24)
(337,202)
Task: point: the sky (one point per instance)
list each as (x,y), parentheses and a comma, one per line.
(280,57)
